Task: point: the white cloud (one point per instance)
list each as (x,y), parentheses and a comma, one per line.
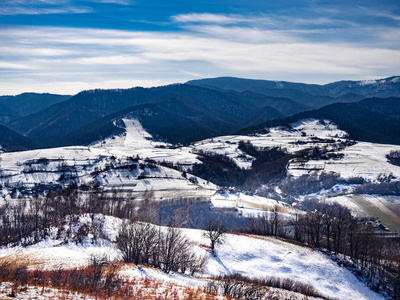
(28,50)
(18,66)
(109,60)
(121,2)
(66,60)
(40,7)
(207,18)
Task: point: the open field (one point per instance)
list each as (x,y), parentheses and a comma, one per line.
(370,205)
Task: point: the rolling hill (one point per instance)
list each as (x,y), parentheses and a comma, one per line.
(372,120)
(197,109)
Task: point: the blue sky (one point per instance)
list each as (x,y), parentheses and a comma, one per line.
(65,46)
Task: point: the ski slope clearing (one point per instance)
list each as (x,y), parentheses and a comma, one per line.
(137,141)
(252,256)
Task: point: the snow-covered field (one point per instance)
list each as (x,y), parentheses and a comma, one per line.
(85,164)
(47,166)
(125,163)
(252,256)
(367,160)
(362,159)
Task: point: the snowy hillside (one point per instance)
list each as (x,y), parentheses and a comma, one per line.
(134,163)
(132,166)
(255,257)
(113,163)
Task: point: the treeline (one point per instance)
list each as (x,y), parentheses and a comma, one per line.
(269,165)
(27,220)
(333,228)
(314,182)
(219,169)
(391,188)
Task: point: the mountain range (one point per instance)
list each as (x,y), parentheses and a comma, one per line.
(200,109)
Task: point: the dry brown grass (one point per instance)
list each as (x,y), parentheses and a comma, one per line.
(101,282)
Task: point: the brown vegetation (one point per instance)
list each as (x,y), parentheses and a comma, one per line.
(102,282)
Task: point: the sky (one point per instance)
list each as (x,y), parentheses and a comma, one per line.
(66,46)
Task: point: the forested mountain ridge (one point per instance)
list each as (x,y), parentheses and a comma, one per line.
(12,107)
(313,95)
(222,112)
(200,109)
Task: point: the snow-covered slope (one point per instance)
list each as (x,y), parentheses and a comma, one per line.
(123,161)
(252,256)
(134,163)
(367,160)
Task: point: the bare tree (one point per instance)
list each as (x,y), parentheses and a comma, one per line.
(136,241)
(214,231)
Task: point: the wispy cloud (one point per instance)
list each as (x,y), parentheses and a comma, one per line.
(40,7)
(17,66)
(379,13)
(245,34)
(259,20)
(286,45)
(207,18)
(110,60)
(96,56)
(121,2)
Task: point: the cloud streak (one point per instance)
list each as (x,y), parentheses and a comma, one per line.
(208,18)
(41,7)
(63,51)
(278,47)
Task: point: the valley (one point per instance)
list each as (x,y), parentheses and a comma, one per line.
(305,210)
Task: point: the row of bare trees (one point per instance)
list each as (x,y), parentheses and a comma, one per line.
(166,248)
(28,219)
(333,228)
